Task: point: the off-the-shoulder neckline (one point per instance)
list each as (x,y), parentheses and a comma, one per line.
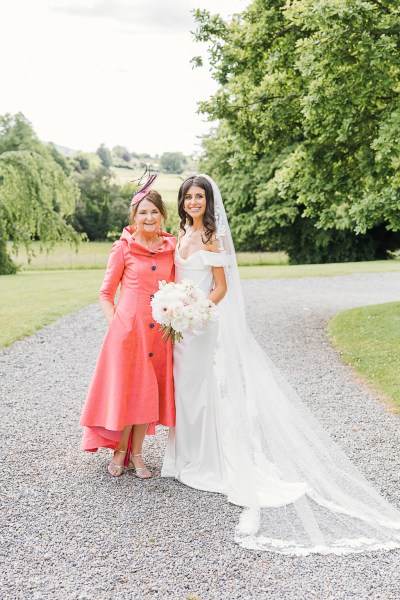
(193,253)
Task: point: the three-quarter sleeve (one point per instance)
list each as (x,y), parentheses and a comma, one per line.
(115,268)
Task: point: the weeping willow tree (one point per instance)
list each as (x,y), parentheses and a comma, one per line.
(36,196)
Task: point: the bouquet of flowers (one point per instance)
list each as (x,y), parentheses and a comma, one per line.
(179,306)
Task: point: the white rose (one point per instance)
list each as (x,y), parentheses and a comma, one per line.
(179,324)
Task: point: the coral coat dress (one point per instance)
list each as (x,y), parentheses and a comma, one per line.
(133,379)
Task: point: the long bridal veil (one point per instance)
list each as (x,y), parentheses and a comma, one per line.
(300,492)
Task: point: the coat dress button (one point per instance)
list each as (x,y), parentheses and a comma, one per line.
(151,296)
(151,354)
(153,268)
(151,325)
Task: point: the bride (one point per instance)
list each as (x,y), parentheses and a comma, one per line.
(242,431)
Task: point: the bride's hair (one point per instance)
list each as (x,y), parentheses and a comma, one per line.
(208,218)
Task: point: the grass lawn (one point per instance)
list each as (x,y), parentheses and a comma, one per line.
(90,255)
(31,300)
(253,265)
(94,255)
(326,270)
(369,339)
(64,281)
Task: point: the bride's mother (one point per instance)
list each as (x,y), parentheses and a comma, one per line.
(132,386)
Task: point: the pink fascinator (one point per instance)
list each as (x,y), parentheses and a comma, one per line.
(144,190)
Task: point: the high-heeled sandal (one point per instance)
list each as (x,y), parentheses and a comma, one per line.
(136,470)
(120,468)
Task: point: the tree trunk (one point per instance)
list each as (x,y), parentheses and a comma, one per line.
(7,267)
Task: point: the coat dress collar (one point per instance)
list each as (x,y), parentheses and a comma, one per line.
(168,245)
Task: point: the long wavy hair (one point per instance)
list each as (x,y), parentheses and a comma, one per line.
(208,217)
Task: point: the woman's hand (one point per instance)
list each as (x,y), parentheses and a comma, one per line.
(108,310)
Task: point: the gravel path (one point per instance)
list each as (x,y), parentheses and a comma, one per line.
(69,530)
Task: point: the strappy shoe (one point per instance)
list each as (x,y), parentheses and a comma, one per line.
(120,468)
(137,470)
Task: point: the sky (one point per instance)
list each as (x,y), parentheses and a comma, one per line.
(118,72)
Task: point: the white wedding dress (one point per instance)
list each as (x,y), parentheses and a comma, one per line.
(241,430)
(192,455)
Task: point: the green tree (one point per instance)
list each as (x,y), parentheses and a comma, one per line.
(16,133)
(172,162)
(103,207)
(119,209)
(35,199)
(309,111)
(60,159)
(105,156)
(92,213)
(36,194)
(122,152)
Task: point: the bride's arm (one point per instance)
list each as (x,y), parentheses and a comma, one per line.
(220,288)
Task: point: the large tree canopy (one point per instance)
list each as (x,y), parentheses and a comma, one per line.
(36,194)
(309,111)
(172,162)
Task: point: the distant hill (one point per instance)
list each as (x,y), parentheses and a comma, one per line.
(64,150)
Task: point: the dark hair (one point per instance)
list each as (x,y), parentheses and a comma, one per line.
(208,218)
(155,198)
